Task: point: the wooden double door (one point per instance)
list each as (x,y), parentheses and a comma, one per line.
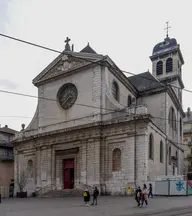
(68,173)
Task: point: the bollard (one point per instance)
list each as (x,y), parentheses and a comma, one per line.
(0,198)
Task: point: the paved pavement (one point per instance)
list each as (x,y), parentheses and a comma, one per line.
(108,206)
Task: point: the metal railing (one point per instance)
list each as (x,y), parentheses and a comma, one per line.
(43,190)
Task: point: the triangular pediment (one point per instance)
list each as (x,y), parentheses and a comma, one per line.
(61,65)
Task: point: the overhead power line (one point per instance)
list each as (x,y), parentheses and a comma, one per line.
(99,63)
(84,105)
(82,119)
(53,50)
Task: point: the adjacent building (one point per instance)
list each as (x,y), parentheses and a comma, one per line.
(94,126)
(6,159)
(187,143)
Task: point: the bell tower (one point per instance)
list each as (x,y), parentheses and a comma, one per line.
(167,61)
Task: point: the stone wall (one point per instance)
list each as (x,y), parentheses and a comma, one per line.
(6,173)
(156,167)
(94,158)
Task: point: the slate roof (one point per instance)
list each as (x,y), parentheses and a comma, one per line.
(145,81)
(166,44)
(7,130)
(88,49)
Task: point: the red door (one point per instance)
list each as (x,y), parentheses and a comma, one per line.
(67,179)
(68,165)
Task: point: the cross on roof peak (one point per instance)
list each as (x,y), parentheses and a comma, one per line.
(67,46)
(67,40)
(167,28)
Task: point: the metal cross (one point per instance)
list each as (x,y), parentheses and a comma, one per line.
(67,46)
(167,28)
(67,40)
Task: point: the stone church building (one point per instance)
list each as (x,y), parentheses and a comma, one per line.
(94,126)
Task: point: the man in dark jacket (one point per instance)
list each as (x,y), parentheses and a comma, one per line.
(138,194)
(150,191)
(95,195)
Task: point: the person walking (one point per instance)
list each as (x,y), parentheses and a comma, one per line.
(150,191)
(86,196)
(138,194)
(95,195)
(144,196)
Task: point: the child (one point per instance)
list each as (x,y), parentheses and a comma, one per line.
(86,196)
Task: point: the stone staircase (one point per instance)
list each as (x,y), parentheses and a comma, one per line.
(63,193)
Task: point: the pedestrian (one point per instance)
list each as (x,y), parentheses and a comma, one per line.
(95,195)
(86,196)
(150,191)
(144,196)
(138,194)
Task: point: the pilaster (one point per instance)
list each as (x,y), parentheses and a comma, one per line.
(38,167)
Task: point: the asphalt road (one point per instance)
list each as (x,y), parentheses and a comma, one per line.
(107,206)
(181,211)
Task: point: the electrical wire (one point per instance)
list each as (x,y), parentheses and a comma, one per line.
(99,63)
(66,53)
(84,105)
(94,115)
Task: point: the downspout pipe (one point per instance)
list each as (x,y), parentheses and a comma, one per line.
(135,148)
(166,144)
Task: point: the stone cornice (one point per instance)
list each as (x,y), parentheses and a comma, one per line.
(121,77)
(78,134)
(67,73)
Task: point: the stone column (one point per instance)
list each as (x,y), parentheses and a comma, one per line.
(49,166)
(53,166)
(83,173)
(16,169)
(97,161)
(38,167)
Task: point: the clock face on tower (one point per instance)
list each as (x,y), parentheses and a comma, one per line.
(67,95)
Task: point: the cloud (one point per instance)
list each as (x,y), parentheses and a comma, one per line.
(7,84)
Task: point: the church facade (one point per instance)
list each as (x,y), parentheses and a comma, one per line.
(94,126)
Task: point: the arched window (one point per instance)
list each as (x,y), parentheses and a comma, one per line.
(172,118)
(30,169)
(116,160)
(161,152)
(169,155)
(181,128)
(169,65)
(115,91)
(159,68)
(151,147)
(129,101)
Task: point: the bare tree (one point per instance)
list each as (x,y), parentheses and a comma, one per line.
(22,180)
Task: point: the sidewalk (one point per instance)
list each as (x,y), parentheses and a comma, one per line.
(108,206)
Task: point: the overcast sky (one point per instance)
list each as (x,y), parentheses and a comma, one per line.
(126,30)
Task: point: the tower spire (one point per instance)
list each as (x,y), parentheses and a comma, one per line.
(167,28)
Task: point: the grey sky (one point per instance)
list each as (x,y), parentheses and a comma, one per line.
(126,30)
